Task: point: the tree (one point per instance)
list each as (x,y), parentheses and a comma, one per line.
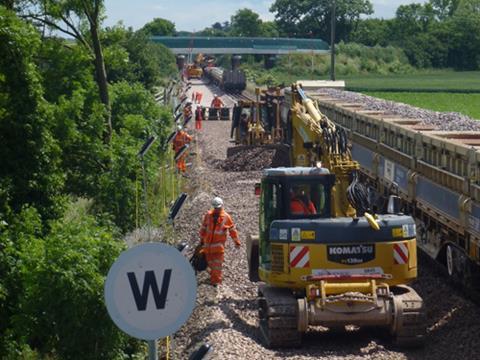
(246,23)
(9,4)
(444,8)
(216,30)
(300,18)
(269,29)
(159,27)
(73,17)
(465,36)
(413,19)
(133,57)
(30,172)
(372,32)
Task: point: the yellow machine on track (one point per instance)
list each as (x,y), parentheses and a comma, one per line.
(336,264)
(257,122)
(194,70)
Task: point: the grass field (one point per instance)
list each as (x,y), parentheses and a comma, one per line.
(468,104)
(450,81)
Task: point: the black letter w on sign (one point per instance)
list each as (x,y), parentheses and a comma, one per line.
(150,281)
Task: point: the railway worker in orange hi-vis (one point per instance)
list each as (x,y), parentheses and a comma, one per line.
(179,141)
(300,203)
(198,97)
(213,235)
(187,110)
(217,103)
(198,118)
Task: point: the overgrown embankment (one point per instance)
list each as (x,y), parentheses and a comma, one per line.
(352,59)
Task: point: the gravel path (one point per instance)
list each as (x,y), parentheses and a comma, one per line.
(227,318)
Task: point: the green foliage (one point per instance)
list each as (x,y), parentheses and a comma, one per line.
(216,30)
(16,238)
(312,17)
(246,23)
(444,8)
(439,33)
(53,260)
(152,62)
(159,27)
(352,59)
(64,67)
(465,36)
(57,298)
(269,29)
(372,32)
(30,154)
(131,56)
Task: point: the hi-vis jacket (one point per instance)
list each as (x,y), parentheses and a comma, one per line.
(213,235)
(298,207)
(181,139)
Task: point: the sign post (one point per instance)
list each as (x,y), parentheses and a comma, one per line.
(150,292)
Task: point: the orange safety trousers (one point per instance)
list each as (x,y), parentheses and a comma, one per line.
(215,263)
(181,165)
(179,141)
(198,97)
(213,234)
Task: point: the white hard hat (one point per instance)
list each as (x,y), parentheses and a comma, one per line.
(179,127)
(215,95)
(217,202)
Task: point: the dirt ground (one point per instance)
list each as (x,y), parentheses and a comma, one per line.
(226,317)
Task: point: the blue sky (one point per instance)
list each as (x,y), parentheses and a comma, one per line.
(192,15)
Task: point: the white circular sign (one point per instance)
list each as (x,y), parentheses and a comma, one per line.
(150,291)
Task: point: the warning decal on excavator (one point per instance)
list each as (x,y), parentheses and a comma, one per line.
(400,253)
(299,256)
(308,235)
(397,232)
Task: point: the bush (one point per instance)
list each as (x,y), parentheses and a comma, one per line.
(61,278)
(352,59)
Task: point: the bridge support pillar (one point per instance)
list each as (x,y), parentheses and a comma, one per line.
(270,61)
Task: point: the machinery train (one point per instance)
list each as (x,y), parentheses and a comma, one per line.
(435,173)
(228,80)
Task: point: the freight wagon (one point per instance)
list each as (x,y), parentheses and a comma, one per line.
(228,80)
(436,173)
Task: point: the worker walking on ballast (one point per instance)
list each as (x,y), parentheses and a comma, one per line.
(213,235)
(179,141)
(198,117)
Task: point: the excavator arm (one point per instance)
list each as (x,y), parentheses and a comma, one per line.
(318,142)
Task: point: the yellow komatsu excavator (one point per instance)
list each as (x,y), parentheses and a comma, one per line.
(323,258)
